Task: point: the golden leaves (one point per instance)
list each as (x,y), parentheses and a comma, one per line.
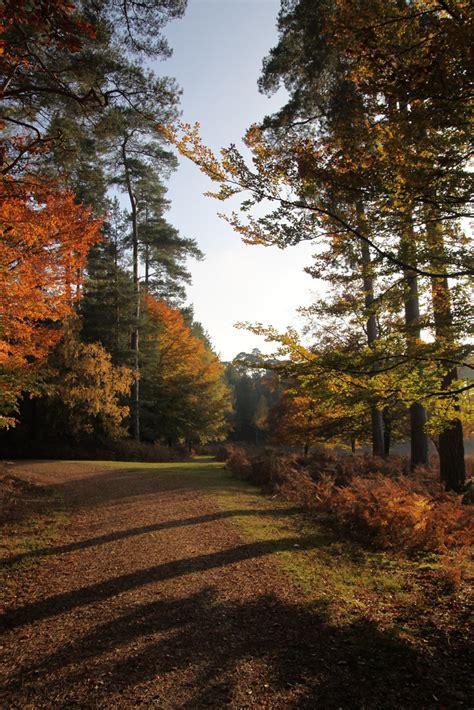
(45,240)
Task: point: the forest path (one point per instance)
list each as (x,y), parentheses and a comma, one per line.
(155,598)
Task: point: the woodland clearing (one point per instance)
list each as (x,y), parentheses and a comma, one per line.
(177,586)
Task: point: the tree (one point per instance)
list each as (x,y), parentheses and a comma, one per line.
(67,59)
(107,306)
(304,419)
(88,101)
(255,391)
(185,397)
(85,391)
(416,55)
(78,106)
(44,245)
(407,165)
(260,418)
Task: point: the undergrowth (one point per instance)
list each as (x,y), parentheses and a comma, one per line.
(105,450)
(372,500)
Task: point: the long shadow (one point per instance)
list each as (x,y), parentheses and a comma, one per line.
(116,485)
(286,655)
(131,532)
(60,603)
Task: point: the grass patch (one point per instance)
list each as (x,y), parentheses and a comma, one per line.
(350,581)
(339,574)
(330,570)
(36,525)
(347,579)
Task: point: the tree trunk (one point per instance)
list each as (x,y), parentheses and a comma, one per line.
(117,303)
(451,441)
(451,456)
(372,334)
(147,266)
(387,431)
(147,255)
(135,339)
(418,418)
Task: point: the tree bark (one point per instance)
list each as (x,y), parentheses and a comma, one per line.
(387,431)
(372,331)
(117,302)
(451,440)
(147,255)
(135,339)
(418,417)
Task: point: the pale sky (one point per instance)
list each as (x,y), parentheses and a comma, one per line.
(218,48)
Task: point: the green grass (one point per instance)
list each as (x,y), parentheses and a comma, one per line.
(348,580)
(334,572)
(331,571)
(33,532)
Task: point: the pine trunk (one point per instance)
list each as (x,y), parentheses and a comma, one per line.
(135,339)
(147,255)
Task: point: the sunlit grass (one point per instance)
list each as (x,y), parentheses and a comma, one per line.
(25,537)
(344,578)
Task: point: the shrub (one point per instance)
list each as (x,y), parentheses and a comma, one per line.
(238,463)
(224,452)
(396,513)
(370,497)
(106,450)
(448,578)
(344,468)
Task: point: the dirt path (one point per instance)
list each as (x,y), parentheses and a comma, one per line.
(152,599)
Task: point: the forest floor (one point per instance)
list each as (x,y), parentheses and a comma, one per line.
(175,586)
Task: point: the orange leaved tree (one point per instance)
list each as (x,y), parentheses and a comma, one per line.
(45,238)
(184,396)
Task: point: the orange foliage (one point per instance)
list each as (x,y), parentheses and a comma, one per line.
(397,513)
(193,400)
(180,352)
(45,238)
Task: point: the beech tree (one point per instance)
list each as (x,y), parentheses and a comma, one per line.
(327,106)
(408,167)
(85,392)
(45,240)
(185,397)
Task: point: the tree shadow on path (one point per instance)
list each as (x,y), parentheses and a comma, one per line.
(144,529)
(199,651)
(60,603)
